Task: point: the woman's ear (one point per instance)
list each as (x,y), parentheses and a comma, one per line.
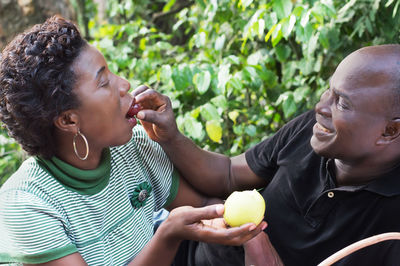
(67,121)
(390,133)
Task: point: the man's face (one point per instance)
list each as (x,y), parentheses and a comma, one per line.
(353,113)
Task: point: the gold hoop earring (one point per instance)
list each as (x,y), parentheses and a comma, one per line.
(86,144)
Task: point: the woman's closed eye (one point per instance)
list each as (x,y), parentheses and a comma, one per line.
(104,83)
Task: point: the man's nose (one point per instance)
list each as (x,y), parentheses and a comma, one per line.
(323,107)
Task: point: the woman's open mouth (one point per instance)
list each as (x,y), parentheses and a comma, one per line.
(132,112)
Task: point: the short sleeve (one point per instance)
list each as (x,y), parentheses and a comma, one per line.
(31,230)
(263,157)
(160,170)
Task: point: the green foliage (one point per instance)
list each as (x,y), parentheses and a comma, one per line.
(11,156)
(235,70)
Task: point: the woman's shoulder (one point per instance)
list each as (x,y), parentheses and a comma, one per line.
(29,176)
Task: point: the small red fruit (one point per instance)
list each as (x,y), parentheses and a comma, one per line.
(133,110)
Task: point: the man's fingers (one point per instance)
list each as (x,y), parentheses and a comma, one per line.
(151,99)
(139,90)
(151,116)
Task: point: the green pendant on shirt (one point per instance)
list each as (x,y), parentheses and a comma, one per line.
(86,182)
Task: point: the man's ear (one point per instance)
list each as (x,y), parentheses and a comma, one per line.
(67,121)
(391,132)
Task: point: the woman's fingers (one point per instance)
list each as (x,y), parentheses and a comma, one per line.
(230,236)
(204,224)
(194,215)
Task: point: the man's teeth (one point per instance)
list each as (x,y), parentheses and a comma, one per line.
(323,128)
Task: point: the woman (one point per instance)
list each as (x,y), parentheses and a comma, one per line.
(88,193)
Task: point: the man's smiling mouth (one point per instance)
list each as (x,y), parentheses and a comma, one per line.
(322,128)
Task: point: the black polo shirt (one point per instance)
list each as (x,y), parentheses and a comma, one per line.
(309,217)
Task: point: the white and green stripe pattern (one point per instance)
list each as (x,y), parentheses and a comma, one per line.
(41,220)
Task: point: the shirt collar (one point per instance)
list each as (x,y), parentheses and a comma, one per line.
(87,182)
(386,185)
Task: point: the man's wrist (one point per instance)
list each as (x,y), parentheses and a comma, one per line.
(165,233)
(176,139)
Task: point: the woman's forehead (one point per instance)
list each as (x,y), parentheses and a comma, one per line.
(89,61)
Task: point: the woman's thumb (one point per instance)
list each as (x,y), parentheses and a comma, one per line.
(208,212)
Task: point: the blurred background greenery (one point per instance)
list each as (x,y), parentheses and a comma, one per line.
(235,70)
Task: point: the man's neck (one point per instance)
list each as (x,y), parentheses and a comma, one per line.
(359,173)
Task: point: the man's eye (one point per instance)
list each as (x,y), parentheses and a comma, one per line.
(342,104)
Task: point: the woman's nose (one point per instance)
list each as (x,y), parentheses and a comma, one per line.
(124,87)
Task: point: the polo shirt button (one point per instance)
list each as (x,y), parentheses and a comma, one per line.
(331,194)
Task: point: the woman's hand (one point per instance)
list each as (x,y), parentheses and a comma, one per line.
(156,114)
(206,224)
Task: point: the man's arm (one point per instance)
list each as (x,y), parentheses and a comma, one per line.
(259,251)
(211,173)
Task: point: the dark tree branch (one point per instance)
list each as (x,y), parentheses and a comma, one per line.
(161,15)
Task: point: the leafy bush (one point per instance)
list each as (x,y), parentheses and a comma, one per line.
(11,156)
(235,70)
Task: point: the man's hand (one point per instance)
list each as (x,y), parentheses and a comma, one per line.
(156,114)
(259,251)
(206,225)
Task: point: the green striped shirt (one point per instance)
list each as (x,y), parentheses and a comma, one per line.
(45,214)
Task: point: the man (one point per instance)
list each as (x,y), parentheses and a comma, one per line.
(331,175)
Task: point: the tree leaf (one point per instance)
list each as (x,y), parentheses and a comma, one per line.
(276,35)
(250,130)
(219,43)
(193,127)
(209,112)
(288,25)
(214,130)
(233,115)
(282,8)
(220,101)
(168,5)
(289,106)
(202,81)
(223,76)
(282,52)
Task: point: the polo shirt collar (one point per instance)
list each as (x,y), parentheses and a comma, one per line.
(387,185)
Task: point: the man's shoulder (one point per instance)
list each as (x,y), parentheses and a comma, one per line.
(297,130)
(303,120)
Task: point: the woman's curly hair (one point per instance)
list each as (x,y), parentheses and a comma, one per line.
(36,82)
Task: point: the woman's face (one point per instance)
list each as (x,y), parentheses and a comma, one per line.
(104,101)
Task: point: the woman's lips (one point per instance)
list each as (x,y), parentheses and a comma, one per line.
(132,121)
(133,110)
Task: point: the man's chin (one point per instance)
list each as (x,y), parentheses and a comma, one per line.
(319,148)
